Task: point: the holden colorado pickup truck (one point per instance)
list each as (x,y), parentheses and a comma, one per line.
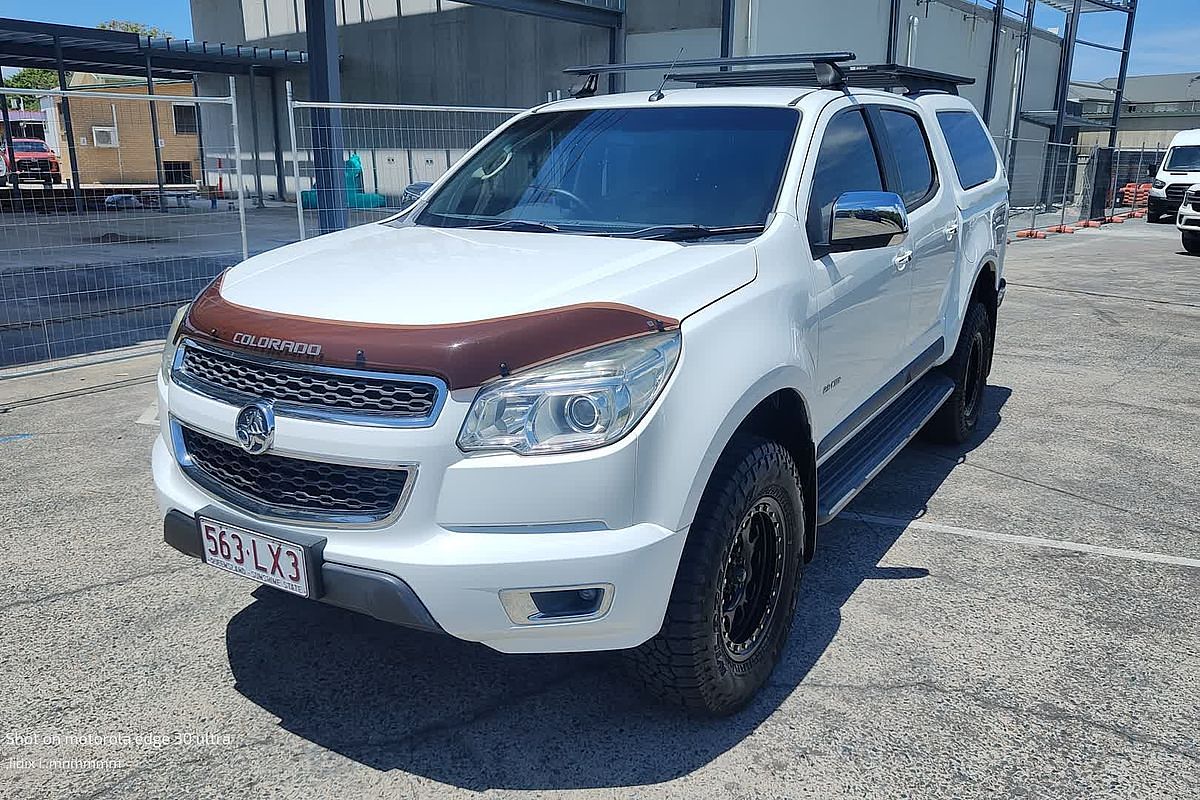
(597,388)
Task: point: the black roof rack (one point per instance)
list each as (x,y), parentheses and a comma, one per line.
(826,71)
(864,76)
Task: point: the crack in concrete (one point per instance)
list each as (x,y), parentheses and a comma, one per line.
(1047,711)
(1105,295)
(91,587)
(966,462)
(168,756)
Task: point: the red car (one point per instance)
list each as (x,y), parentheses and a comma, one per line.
(36,162)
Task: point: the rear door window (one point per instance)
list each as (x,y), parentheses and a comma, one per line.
(846,163)
(970,147)
(910,150)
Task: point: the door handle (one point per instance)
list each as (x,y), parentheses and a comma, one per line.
(951,231)
(902,260)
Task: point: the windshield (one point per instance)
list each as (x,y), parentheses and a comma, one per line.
(1184,159)
(623,170)
(29,147)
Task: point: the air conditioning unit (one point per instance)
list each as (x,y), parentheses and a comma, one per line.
(104,137)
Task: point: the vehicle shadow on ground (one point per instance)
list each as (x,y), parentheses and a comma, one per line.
(461,714)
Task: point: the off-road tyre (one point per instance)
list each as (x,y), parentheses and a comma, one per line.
(958,417)
(1191,242)
(706,658)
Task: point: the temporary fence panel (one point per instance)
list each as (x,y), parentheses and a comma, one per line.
(385,149)
(105,260)
(1057,187)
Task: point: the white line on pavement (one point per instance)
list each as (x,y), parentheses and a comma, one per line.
(1036,541)
(149,416)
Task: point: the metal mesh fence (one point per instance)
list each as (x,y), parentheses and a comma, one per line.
(1055,188)
(384,151)
(97,255)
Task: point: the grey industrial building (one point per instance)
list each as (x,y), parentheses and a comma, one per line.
(511,53)
(1154,109)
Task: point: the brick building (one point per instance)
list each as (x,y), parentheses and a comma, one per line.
(114,141)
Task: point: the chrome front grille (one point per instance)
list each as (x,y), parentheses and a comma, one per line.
(310,390)
(280,486)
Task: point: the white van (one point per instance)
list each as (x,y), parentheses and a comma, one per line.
(1177,173)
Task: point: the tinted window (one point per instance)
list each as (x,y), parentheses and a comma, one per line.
(624,169)
(910,150)
(845,163)
(970,147)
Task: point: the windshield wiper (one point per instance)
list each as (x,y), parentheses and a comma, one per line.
(687,233)
(526,225)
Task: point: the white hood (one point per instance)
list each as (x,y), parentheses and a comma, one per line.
(428,276)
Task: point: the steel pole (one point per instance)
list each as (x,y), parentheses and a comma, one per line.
(1063,90)
(296,159)
(280,172)
(893,33)
(1119,95)
(989,85)
(8,142)
(1019,100)
(258,199)
(237,160)
(325,86)
(158,164)
(199,132)
(67,127)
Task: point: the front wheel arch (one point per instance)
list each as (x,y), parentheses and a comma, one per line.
(775,410)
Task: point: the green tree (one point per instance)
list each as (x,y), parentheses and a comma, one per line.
(30,78)
(141,28)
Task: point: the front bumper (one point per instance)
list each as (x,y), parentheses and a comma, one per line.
(38,174)
(473,528)
(1161,205)
(1188,218)
(376,594)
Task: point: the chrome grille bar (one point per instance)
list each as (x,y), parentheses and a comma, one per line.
(310,391)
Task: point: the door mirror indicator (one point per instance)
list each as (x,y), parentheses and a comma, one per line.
(865,220)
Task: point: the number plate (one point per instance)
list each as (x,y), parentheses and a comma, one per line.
(252,555)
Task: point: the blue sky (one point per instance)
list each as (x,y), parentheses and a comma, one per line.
(1166,38)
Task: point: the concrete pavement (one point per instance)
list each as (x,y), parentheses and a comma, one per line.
(1014,618)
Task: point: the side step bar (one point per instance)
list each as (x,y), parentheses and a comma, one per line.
(852,467)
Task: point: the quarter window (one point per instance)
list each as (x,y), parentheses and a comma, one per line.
(910,150)
(970,147)
(846,162)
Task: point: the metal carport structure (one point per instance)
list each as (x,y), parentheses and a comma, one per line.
(64,48)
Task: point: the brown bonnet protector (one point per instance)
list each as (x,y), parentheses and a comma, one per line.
(463,354)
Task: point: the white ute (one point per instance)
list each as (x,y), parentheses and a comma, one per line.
(599,386)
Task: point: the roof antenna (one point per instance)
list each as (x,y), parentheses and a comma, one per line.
(658,93)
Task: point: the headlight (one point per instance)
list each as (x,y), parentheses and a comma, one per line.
(168,356)
(576,403)
(1159,183)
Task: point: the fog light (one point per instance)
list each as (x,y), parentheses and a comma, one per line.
(556,604)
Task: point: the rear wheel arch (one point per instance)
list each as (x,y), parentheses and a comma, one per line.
(986,290)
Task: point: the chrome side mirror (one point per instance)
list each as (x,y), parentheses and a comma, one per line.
(864,220)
